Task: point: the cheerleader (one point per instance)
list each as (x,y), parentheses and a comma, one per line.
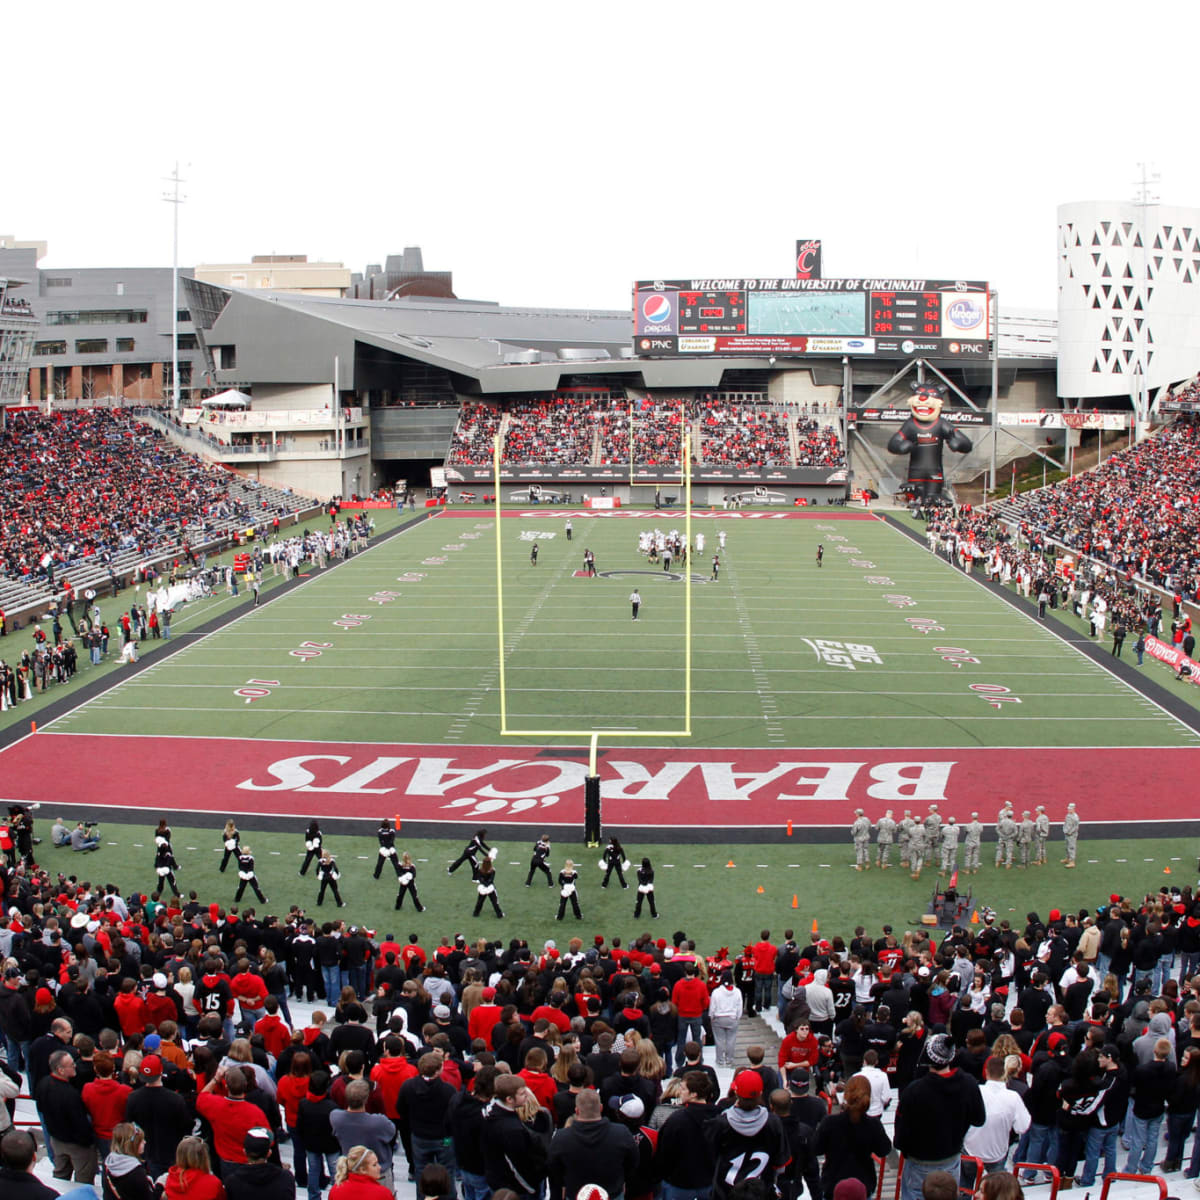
(231,840)
(312,844)
(614,860)
(568,881)
(485,885)
(541,852)
(327,871)
(162,834)
(386,833)
(645,878)
(406,874)
(476,846)
(165,867)
(246,875)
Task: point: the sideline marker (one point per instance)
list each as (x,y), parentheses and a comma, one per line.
(789,827)
(729,864)
(795,900)
(975,917)
(397,822)
(814,928)
(33,727)
(1166,870)
(761,889)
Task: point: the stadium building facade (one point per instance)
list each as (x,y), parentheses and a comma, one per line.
(349,395)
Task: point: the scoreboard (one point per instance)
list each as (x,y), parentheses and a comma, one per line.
(870,318)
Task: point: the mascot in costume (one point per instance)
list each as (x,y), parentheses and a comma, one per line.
(921,438)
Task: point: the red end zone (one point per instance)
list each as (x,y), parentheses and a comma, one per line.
(546,513)
(670,788)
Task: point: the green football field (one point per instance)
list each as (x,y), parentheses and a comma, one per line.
(882,658)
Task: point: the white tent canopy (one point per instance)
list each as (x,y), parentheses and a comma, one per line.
(230,398)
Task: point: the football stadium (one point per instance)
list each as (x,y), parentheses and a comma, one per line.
(735,745)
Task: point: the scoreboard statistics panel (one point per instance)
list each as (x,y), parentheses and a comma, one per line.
(871,318)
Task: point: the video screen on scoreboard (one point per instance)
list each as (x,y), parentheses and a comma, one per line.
(813,313)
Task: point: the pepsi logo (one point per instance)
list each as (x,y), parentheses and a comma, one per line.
(965,314)
(656,309)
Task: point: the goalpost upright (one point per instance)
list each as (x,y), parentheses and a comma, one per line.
(592,736)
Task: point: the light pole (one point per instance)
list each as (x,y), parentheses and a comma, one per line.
(174,198)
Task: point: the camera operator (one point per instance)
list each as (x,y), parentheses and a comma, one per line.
(85,837)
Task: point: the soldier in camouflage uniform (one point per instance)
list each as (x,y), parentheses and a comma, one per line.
(860,831)
(916,849)
(885,835)
(974,835)
(950,835)
(906,827)
(1006,832)
(1041,835)
(1070,834)
(1025,837)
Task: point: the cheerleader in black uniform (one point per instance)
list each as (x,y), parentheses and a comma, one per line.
(312,844)
(231,839)
(165,867)
(162,834)
(541,852)
(568,890)
(328,873)
(408,882)
(614,860)
(645,878)
(475,847)
(246,875)
(485,886)
(386,833)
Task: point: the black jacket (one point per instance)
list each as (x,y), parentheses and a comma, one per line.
(465,1120)
(63,1112)
(259,1181)
(935,1113)
(165,1118)
(425,1102)
(316,1132)
(684,1157)
(591,1152)
(512,1154)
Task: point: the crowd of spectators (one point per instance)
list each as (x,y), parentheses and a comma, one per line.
(563,430)
(1138,512)
(92,483)
(1076,1036)
(557,430)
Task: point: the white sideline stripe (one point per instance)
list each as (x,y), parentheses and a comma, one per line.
(373,712)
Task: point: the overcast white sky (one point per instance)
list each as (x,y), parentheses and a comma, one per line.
(550,154)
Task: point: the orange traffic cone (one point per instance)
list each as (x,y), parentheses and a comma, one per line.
(729,863)
(33,727)
(795,900)
(1166,870)
(761,889)
(975,917)
(815,929)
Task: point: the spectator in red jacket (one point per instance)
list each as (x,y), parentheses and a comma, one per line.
(104,1098)
(690,997)
(130,1009)
(230,1114)
(391,1073)
(484,1016)
(249,991)
(273,1029)
(191,1177)
(799,1049)
(540,1083)
(764,952)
